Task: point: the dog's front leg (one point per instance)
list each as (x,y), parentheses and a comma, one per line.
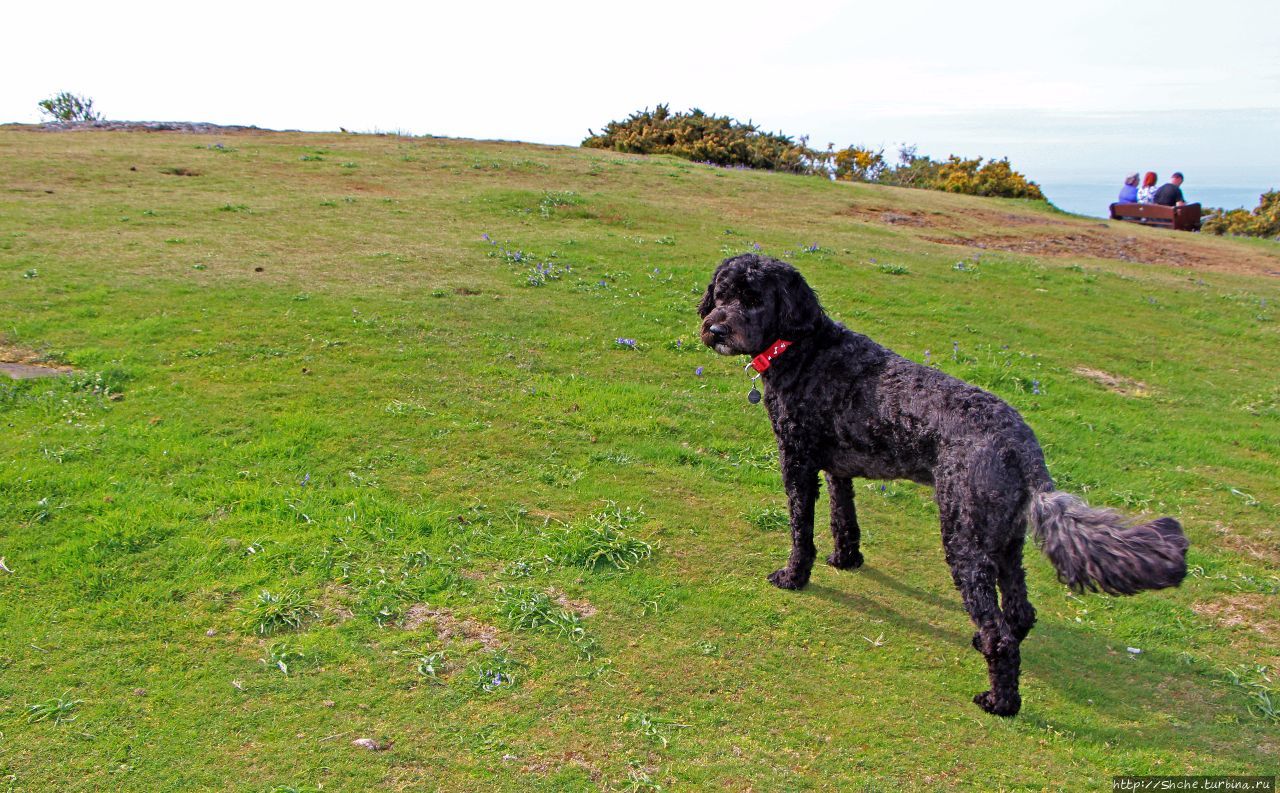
(844,524)
(801,483)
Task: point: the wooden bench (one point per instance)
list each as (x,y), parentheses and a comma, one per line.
(1183,218)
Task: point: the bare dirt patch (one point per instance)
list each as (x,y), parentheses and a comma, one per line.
(1256,613)
(895,217)
(23,364)
(1010,219)
(1185,251)
(1259,544)
(448,626)
(582,608)
(1120,385)
(419,614)
(966,219)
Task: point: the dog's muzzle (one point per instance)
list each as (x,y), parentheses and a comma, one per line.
(716,336)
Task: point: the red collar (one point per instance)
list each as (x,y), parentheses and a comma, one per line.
(762,361)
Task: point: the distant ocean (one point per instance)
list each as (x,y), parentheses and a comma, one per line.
(1093,199)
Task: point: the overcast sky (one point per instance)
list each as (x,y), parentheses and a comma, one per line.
(1077,91)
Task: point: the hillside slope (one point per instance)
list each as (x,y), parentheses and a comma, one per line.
(413,440)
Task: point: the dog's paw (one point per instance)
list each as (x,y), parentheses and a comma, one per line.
(998,706)
(845,561)
(785,579)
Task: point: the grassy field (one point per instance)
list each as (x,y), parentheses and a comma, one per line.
(412,440)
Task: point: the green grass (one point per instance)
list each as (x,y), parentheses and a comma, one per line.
(340,464)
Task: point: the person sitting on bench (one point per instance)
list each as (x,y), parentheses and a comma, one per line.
(1147,193)
(1129,193)
(1170,194)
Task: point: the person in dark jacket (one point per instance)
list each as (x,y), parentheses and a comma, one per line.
(1170,193)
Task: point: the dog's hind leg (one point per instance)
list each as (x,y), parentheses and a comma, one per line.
(1018,611)
(976,575)
(976,580)
(801,483)
(844,524)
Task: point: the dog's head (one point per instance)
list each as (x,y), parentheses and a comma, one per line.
(752,301)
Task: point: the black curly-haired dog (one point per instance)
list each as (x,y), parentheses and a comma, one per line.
(842,404)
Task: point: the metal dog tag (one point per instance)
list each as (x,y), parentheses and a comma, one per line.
(753,396)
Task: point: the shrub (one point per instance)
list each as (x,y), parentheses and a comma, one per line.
(69,107)
(1263,221)
(995,178)
(912,170)
(721,140)
(698,136)
(859,164)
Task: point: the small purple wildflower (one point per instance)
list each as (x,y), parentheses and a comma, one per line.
(631,343)
(926,357)
(305,479)
(1035,387)
(486,238)
(679,344)
(755,246)
(698,372)
(812,248)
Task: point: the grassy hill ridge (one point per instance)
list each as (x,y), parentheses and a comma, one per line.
(412,439)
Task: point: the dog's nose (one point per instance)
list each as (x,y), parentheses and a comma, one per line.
(718,329)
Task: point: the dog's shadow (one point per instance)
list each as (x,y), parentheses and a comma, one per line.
(1155,688)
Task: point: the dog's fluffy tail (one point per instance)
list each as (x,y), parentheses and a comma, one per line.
(1099,549)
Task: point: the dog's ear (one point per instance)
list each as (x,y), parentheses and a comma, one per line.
(799,312)
(708,301)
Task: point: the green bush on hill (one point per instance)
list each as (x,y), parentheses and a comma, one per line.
(912,170)
(859,164)
(723,141)
(954,175)
(1263,221)
(995,178)
(67,106)
(704,138)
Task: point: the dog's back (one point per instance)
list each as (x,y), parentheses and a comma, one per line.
(887,417)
